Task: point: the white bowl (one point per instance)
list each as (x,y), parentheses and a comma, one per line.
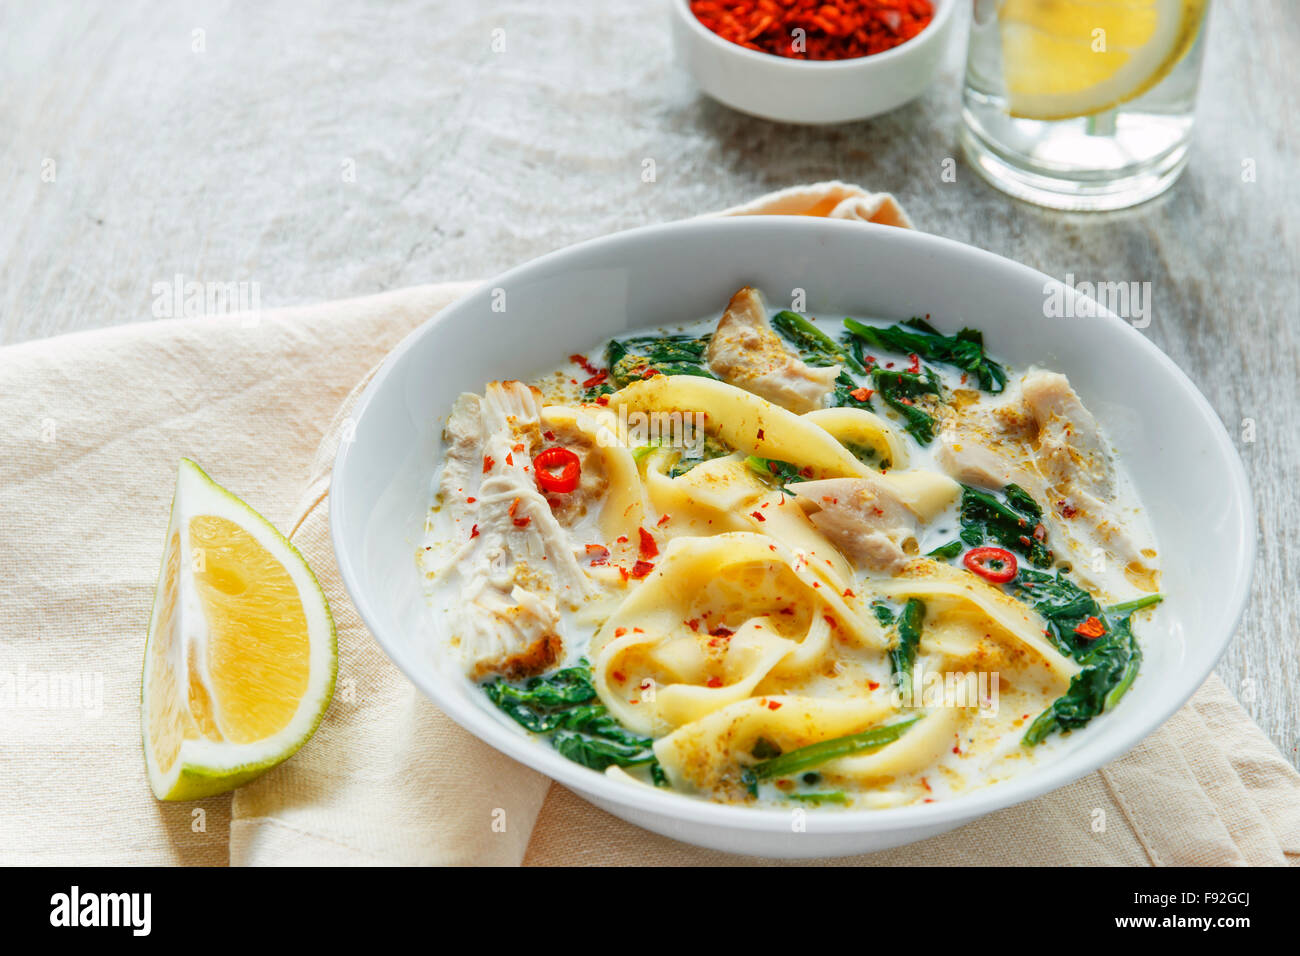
(810,91)
(1182,461)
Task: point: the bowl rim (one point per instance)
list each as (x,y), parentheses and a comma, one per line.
(931,817)
(943,12)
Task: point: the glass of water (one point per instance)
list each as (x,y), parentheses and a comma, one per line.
(1080,104)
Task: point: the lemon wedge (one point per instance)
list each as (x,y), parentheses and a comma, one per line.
(1068,58)
(240,661)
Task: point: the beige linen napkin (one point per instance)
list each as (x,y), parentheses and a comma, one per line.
(94,424)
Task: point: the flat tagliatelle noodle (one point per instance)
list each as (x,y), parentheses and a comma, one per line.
(663,660)
(744,422)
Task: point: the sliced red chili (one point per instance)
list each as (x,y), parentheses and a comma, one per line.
(557,469)
(992,564)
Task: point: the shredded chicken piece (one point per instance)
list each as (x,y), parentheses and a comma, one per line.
(863,517)
(516,564)
(745,352)
(1070,448)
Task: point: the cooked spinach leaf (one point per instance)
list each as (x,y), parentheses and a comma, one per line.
(1111,665)
(843,395)
(965,350)
(1014,523)
(776,472)
(641,356)
(900,389)
(814,755)
(884,614)
(902,655)
(710,449)
(1110,661)
(815,346)
(947,551)
(817,799)
(563,706)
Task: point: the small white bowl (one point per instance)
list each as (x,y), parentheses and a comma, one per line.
(1181,459)
(810,92)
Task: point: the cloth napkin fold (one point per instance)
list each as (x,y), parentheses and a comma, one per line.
(94,425)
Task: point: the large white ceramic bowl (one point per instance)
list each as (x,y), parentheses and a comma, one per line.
(810,92)
(1184,465)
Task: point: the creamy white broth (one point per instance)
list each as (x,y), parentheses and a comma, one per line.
(981,745)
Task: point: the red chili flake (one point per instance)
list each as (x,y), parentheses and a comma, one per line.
(963,378)
(586,365)
(757,515)
(622,539)
(915,367)
(1067,511)
(470,500)
(488,462)
(721,632)
(620,676)
(549,435)
(650,373)
(693,624)
(714,682)
(602,399)
(926,783)
(1091,628)
(519,522)
(832,29)
(620,631)
(873,685)
(861,394)
(510,458)
(641,569)
(848,592)
(598,553)
(829,620)
(1040,532)
(648,547)
(773,705)
(518,447)
(473,532)
(805,472)
(662,521)
(597,379)
(760,434)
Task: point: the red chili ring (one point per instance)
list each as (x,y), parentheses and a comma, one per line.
(980,559)
(548,461)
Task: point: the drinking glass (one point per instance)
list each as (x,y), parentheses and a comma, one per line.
(1082,104)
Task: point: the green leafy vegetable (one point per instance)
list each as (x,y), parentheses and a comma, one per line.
(633,359)
(710,449)
(947,551)
(965,350)
(1013,523)
(900,389)
(1112,664)
(815,755)
(903,654)
(815,346)
(1137,604)
(817,799)
(775,471)
(563,706)
(842,396)
(883,613)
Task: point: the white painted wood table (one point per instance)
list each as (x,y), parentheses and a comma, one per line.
(335,149)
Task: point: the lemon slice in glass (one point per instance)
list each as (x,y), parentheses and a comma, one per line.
(1068,58)
(240,661)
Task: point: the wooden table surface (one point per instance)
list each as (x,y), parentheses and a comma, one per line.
(337,149)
